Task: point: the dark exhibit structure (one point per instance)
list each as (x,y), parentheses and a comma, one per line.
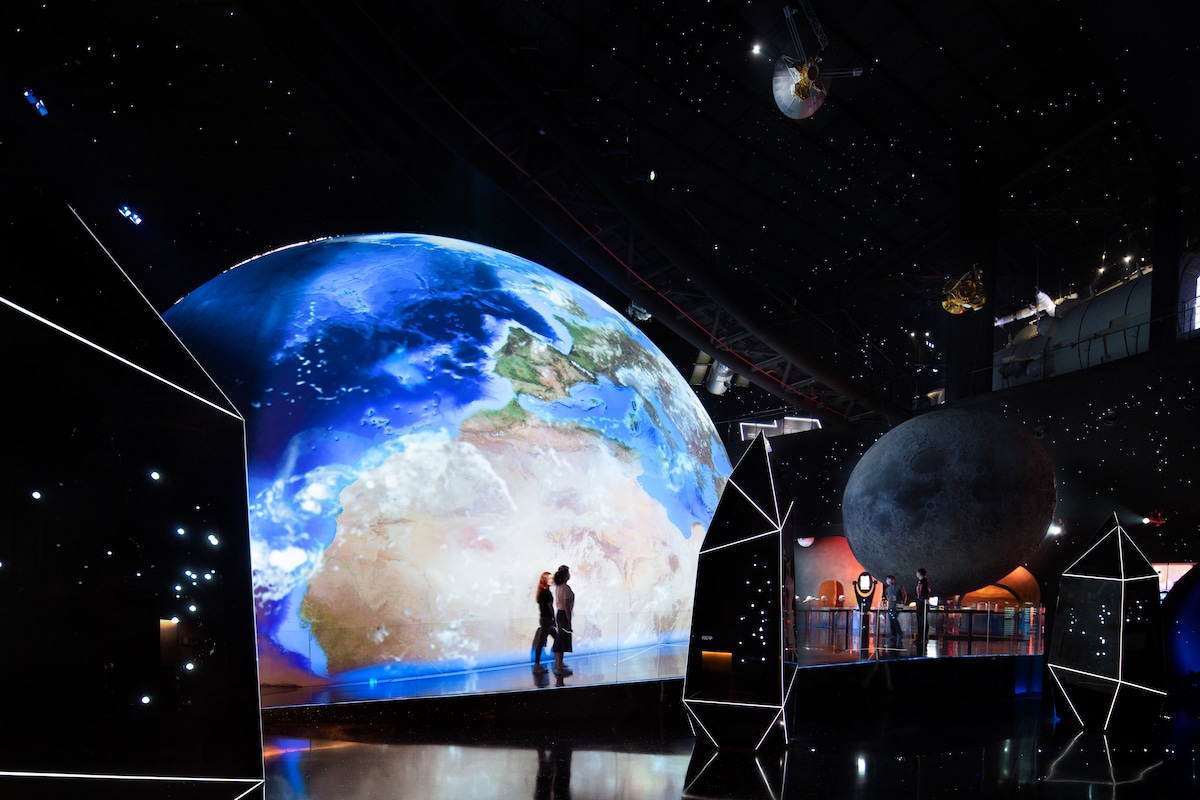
(738,678)
(982,207)
(125,577)
(1106,651)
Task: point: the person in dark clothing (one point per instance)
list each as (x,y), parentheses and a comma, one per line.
(564,602)
(546,629)
(923,593)
(893,600)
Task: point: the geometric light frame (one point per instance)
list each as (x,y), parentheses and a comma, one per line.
(101,367)
(738,617)
(1100,685)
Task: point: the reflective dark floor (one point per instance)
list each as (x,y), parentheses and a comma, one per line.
(576,737)
(1029,755)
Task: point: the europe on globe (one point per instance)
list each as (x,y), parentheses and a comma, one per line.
(431,424)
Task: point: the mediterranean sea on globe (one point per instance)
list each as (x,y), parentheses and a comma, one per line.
(431,424)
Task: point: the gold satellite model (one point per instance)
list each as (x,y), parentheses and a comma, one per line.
(964,293)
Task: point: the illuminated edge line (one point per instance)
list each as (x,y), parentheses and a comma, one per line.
(733,705)
(255,782)
(113,355)
(784,771)
(1112,578)
(757,507)
(696,717)
(762,775)
(1138,549)
(250,789)
(1063,691)
(774,494)
(740,541)
(150,305)
(701,771)
(1119,682)
(1065,751)
(767,731)
(1097,543)
(1108,755)
(1121,638)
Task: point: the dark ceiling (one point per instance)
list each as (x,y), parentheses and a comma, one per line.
(1035,142)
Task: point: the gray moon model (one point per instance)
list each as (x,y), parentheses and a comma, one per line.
(966,494)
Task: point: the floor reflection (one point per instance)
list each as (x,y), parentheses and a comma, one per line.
(959,746)
(322,769)
(1028,755)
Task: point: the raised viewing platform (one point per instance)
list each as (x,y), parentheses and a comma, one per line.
(821,637)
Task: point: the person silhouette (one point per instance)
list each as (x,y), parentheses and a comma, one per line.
(546,629)
(892,600)
(564,601)
(923,593)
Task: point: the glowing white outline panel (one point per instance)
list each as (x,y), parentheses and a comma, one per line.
(239,787)
(777,521)
(245,785)
(1116,682)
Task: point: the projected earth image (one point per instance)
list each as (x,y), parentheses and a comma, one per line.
(430,425)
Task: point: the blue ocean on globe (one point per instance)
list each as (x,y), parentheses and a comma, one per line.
(431,424)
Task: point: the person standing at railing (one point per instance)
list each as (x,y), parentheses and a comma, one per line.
(893,598)
(923,593)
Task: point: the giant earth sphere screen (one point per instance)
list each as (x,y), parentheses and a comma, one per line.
(432,424)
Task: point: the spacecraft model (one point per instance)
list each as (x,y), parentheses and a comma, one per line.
(800,85)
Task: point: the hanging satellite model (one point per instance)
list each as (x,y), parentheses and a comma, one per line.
(800,85)
(964,293)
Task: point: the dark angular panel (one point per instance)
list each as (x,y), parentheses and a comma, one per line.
(735,519)
(736,677)
(1087,625)
(125,549)
(754,475)
(120,788)
(735,652)
(1106,650)
(57,271)
(741,727)
(749,505)
(756,775)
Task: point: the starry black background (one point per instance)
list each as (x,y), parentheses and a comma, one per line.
(1035,140)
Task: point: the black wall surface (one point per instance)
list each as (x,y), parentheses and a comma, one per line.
(127,643)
